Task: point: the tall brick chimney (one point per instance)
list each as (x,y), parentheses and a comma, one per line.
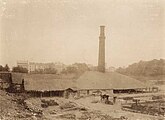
(101,59)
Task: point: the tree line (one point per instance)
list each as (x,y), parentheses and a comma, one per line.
(14,69)
(5,68)
(144,68)
(75,68)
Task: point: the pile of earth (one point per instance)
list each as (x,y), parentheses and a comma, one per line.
(13,107)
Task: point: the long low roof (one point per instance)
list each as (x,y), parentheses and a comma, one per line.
(47,82)
(112,80)
(89,80)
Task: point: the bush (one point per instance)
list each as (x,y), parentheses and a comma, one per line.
(20,69)
(6,68)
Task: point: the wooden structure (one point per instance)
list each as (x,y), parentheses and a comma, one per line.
(111,83)
(5,80)
(7,83)
(47,85)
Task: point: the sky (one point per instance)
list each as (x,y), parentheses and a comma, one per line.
(68,31)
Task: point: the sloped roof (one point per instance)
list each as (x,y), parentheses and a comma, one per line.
(89,80)
(112,80)
(47,82)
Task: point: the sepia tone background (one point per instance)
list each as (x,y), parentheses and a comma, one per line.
(67,31)
(79,60)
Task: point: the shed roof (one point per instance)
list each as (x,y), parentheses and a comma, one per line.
(47,82)
(112,80)
(89,80)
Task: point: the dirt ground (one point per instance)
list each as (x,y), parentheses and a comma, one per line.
(19,107)
(12,108)
(88,108)
(70,110)
(115,110)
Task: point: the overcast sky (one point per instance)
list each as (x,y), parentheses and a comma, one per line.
(68,30)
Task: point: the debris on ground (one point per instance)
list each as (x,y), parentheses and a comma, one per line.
(68,105)
(95,101)
(155,108)
(13,107)
(109,102)
(96,115)
(82,109)
(158,97)
(68,116)
(17,107)
(47,103)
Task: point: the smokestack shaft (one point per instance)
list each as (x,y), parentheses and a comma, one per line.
(101,59)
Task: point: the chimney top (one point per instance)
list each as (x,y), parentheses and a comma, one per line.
(102,30)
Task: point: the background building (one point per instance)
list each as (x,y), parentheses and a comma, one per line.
(23,63)
(33,66)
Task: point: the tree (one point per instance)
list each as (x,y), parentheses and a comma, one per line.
(76,68)
(81,67)
(39,71)
(121,70)
(20,69)
(50,71)
(1,68)
(6,68)
(144,68)
(45,71)
(71,69)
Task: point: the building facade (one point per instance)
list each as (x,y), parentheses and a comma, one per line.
(33,66)
(23,64)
